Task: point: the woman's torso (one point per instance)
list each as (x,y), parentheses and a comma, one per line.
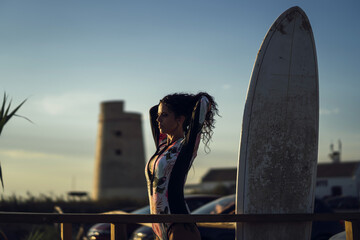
(160,171)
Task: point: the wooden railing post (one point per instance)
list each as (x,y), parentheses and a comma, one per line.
(352,230)
(66,231)
(118,231)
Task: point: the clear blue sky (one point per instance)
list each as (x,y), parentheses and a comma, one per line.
(68,56)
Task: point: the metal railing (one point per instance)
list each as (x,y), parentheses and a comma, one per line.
(118,221)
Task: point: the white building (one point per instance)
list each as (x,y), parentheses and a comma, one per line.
(224,177)
(340,178)
(333,179)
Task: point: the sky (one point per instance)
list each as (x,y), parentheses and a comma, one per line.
(66,57)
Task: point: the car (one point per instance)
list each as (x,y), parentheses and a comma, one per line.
(101,231)
(343,202)
(339,236)
(223,205)
(226,205)
(322,230)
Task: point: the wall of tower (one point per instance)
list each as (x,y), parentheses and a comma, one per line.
(120,155)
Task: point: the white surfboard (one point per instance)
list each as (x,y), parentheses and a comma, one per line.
(279,137)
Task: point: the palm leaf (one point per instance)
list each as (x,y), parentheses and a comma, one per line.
(1,178)
(2,113)
(5,116)
(3,104)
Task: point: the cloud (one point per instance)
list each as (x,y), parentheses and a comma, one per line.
(70,103)
(17,154)
(22,156)
(333,111)
(226,86)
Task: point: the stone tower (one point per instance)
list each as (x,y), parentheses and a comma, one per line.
(120,157)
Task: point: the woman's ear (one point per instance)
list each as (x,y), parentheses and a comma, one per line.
(181,120)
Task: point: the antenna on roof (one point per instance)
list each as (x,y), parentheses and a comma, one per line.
(331,146)
(335,155)
(339,142)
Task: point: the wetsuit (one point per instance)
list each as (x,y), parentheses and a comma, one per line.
(170,165)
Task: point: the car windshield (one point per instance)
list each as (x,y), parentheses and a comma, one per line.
(218,206)
(143,210)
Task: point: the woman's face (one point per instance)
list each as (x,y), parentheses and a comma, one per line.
(168,123)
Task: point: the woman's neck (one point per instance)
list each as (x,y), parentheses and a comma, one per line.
(173,138)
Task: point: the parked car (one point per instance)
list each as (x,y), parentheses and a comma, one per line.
(339,236)
(226,205)
(101,231)
(322,230)
(343,202)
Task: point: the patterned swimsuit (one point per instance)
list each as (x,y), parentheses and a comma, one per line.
(170,165)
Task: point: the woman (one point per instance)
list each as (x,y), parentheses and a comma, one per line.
(178,123)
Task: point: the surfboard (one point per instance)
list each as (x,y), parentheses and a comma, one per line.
(279,136)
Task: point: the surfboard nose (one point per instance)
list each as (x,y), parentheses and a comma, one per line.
(279,138)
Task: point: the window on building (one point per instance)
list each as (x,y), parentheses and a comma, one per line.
(118,152)
(118,133)
(321,183)
(336,191)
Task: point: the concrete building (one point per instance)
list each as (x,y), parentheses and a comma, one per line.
(120,156)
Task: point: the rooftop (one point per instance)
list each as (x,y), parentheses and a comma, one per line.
(342,169)
(328,170)
(220,174)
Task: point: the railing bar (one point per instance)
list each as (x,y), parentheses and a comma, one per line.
(134,218)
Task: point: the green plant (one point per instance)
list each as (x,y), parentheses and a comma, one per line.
(5,116)
(35,235)
(43,232)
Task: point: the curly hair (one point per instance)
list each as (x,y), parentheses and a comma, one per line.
(182,104)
